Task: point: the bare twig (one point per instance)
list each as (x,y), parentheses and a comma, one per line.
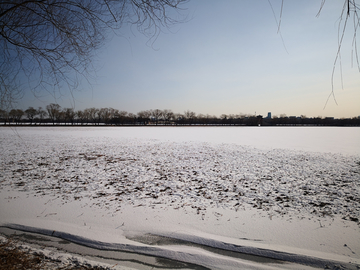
(278,25)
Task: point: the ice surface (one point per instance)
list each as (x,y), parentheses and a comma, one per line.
(284,193)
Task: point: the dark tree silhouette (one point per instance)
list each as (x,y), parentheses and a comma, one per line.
(53,111)
(42,114)
(69,115)
(31,113)
(15,115)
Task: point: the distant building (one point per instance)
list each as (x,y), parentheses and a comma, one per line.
(269,115)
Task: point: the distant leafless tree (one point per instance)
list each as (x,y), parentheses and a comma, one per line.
(92,114)
(53,111)
(80,116)
(49,44)
(16,115)
(168,116)
(31,113)
(144,114)
(69,115)
(42,114)
(104,114)
(144,117)
(85,116)
(3,115)
(189,116)
(156,115)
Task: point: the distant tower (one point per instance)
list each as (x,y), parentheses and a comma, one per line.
(269,115)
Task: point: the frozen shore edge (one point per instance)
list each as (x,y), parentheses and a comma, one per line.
(178,254)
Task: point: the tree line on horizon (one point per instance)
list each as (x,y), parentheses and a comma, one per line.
(55,115)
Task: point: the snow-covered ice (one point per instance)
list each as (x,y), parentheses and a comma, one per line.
(285,193)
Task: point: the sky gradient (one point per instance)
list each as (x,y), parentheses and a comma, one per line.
(227,58)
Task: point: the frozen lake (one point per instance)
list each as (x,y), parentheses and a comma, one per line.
(344,140)
(286,193)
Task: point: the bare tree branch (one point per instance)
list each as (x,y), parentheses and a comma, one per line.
(350,8)
(49,44)
(278,24)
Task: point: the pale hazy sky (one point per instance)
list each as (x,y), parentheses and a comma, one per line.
(228,57)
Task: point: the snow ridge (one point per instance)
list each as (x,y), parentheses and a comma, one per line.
(207,257)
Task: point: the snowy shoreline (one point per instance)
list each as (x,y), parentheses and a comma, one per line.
(157,246)
(115,187)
